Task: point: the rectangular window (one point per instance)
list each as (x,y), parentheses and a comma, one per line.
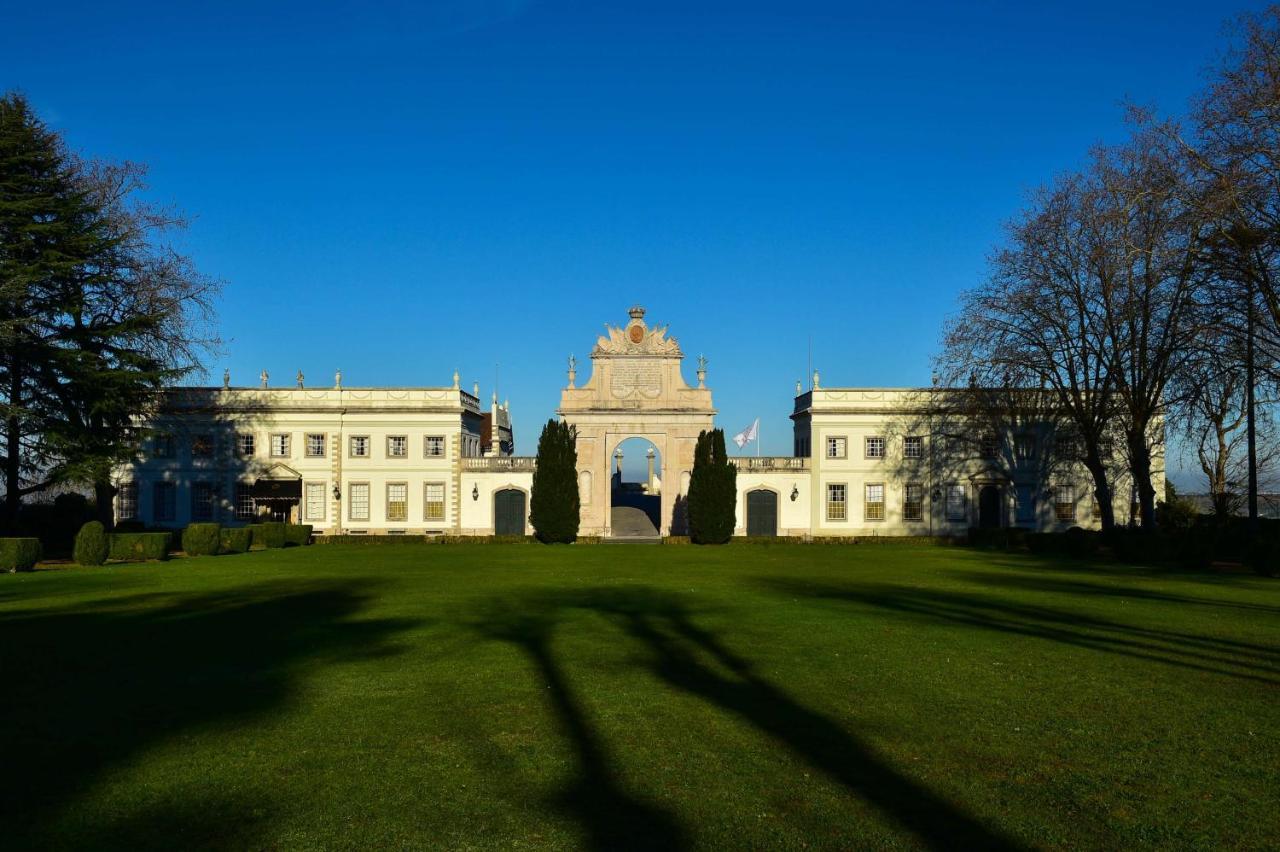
(1064,503)
(989,446)
(956,503)
(835,447)
(874,506)
(280,445)
(433,501)
(359,446)
(397,446)
(164,502)
(358,501)
(1025,447)
(314,510)
(245,444)
(837,501)
(913,447)
(127,501)
(875,447)
(1064,447)
(163,446)
(397,501)
(913,502)
(434,446)
(245,509)
(201,446)
(315,445)
(202,501)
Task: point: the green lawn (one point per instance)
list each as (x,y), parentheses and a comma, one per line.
(522,696)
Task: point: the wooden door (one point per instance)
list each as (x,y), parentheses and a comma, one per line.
(508,512)
(762,513)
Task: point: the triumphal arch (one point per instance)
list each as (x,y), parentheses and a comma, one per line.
(636,390)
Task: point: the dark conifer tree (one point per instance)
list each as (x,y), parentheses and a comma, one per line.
(96,311)
(712,491)
(554,504)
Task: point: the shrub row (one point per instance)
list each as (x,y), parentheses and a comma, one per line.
(140,546)
(275,534)
(236,539)
(1194,548)
(19,554)
(378,540)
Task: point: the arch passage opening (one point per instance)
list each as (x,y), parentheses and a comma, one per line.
(635,488)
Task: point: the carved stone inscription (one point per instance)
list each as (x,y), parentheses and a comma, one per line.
(632,378)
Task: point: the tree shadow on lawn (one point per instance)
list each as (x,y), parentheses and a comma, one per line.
(1039,583)
(1226,657)
(90,688)
(694,661)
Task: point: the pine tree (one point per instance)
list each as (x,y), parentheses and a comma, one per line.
(554,505)
(712,491)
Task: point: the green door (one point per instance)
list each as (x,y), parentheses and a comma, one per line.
(508,512)
(762,513)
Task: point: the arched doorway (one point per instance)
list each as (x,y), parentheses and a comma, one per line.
(509,512)
(762,512)
(635,489)
(989,507)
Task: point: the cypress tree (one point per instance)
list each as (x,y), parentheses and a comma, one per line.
(554,504)
(712,491)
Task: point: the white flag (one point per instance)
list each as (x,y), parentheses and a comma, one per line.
(747,435)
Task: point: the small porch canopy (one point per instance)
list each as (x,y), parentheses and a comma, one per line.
(280,482)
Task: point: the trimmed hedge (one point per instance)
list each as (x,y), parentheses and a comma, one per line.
(268,535)
(236,539)
(140,547)
(375,540)
(19,554)
(297,534)
(92,546)
(202,539)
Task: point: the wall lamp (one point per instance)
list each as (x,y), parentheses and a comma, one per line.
(475,492)
(795,492)
(337,493)
(937,493)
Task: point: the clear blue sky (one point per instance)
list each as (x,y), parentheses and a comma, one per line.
(405,191)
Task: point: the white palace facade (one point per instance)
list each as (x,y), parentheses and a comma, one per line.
(434,460)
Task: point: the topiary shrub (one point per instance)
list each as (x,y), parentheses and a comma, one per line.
(554,502)
(236,539)
(1080,543)
(202,539)
(140,547)
(297,535)
(269,534)
(19,554)
(92,545)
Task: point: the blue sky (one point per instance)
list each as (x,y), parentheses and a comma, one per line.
(402,191)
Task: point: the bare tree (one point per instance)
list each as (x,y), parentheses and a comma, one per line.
(1034,324)
(1211,417)
(1151,288)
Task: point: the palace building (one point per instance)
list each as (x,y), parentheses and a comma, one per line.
(433,460)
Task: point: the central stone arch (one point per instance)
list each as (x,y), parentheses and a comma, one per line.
(636,390)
